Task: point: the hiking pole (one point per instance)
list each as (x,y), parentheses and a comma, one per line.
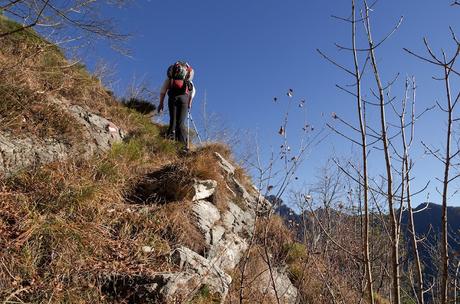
(188,129)
(194,126)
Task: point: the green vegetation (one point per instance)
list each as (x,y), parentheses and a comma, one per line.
(205,296)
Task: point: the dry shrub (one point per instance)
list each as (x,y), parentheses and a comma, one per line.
(315,281)
(203,164)
(174,181)
(255,282)
(380,300)
(272,233)
(177,226)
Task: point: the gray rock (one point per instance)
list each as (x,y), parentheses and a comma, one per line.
(179,287)
(228,252)
(174,287)
(284,288)
(210,274)
(236,220)
(225,164)
(19,153)
(207,215)
(256,202)
(103,132)
(203,189)
(250,199)
(217,232)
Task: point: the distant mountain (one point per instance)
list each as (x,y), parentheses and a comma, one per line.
(427,220)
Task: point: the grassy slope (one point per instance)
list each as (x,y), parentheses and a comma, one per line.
(32,73)
(68,227)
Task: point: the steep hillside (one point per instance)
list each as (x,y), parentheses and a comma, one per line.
(49,106)
(96,207)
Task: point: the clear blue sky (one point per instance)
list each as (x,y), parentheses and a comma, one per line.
(247,52)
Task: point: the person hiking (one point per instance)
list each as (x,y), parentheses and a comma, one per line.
(181,91)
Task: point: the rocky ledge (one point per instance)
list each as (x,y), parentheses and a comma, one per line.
(227,234)
(99,133)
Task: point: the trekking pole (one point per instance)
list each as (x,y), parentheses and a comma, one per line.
(196,129)
(188,129)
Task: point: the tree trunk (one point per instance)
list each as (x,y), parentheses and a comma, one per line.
(362,126)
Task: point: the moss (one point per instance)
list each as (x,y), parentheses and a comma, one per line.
(205,296)
(295,252)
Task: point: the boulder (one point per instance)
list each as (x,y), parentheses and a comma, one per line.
(102,131)
(228,252)
(236,220)
(203,189)
(209,274)
(207,215)
(16,153)
(287,292)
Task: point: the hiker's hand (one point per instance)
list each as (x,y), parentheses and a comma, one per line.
(189,104)
(160,107)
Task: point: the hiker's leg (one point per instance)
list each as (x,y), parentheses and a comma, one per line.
(181,115)
(172,118)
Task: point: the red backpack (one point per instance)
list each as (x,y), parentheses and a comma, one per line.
(180,75)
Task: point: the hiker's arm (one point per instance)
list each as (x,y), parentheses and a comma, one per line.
(163,91)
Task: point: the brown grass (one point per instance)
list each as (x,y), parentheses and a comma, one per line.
(273,233)
(33,75)
(67,227)
(254,284)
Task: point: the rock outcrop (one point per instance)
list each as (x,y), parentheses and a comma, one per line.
(18,153)
(226,231)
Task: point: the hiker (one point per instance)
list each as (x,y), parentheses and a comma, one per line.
(181,92)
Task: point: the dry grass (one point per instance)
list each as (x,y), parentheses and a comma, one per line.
(276,236)
(69,226)
(255,281)
(66,228)
(33,74)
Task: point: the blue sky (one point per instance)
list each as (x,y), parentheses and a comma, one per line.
(245,53)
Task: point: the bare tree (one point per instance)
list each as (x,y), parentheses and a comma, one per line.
(406,173)
(63,18)
(447,66)
(388,166)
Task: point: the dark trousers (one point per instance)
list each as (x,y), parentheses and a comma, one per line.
(178,108)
